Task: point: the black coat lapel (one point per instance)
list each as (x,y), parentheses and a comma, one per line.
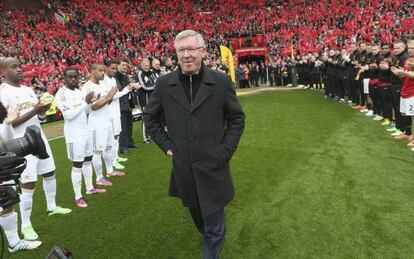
(206,88)
(177,92)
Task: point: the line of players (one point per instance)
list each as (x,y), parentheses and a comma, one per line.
(91,129)
(371,78)
(92,125)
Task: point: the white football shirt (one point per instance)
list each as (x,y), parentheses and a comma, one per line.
(101,118)
(24,99)
(73,107)
(114,107)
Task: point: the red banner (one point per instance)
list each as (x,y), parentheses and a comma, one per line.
(251,51)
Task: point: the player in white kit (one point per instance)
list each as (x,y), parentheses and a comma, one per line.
(14,95)
(115,111)
(74,106)
(8,217)
(99,120)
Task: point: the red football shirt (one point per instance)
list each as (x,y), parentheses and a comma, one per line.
(407,90)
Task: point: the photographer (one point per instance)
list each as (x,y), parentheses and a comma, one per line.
(8,217)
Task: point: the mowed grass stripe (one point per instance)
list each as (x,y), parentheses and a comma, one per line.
(313,178)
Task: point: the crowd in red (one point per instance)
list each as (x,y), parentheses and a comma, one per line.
(79,32)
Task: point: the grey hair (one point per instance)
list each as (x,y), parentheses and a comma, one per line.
(190,33)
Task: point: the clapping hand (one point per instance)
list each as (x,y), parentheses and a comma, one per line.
(90,98)
(42,108)
(396,71)
(12,114)
(112,92)
(133,86)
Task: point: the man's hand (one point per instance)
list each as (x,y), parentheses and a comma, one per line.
(364,68)
(373,66)
(133,86)
(384,66)
(169,153)
(41,108)
(89,98)
(112,92)
(396,71)
(12,114)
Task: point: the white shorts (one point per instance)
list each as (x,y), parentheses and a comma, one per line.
(77,151)
(407,106)
(36,166)
(102,139)
(116,126)
(366,85)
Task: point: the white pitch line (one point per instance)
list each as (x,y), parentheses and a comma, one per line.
(55,138)
(238,94)
(265,89)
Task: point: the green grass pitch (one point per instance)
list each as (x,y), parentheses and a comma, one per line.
(313,179)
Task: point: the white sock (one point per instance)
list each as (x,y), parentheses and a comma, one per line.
(9,224)
(144,134)
(97,165)
(77,182)
(49,187)
(115,148)
(87,174)
(109,158)
(26,202)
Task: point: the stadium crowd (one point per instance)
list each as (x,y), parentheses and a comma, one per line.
(358,52)
(78,33)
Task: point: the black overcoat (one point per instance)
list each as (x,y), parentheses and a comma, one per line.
(203,137)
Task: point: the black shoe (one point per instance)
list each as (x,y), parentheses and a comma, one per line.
(133,145)
(125,151)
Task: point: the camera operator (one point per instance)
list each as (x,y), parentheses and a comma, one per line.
(24,99)
(8,217)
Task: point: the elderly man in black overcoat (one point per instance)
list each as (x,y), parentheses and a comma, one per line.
(204,122)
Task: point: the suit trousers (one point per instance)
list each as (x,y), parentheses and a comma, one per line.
(355,92)
(386,96)
(331,86)
(346,85)
(340,88)
(213,228)
(375,93)
(125,138)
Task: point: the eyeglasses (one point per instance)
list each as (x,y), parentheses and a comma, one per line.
(190,51)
